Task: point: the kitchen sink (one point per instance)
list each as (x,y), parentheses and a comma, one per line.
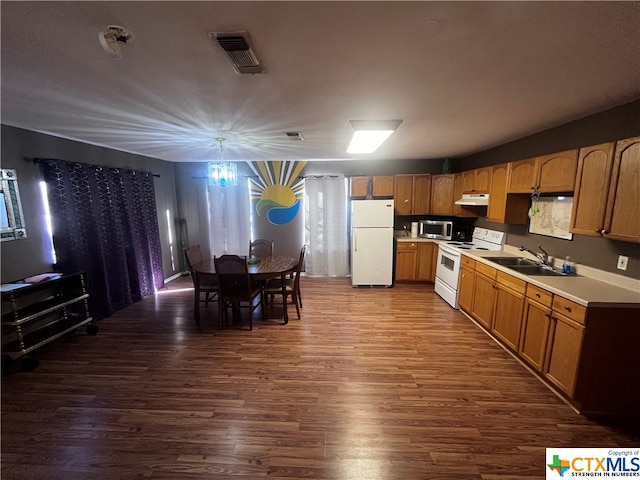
(512,261)
(526,266)
(536,270)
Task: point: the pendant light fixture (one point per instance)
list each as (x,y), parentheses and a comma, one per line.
(222,173)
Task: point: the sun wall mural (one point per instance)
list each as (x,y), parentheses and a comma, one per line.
(277,189)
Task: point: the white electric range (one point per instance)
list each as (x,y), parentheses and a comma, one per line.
(448,267)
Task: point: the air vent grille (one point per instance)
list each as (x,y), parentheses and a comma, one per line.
(238,49)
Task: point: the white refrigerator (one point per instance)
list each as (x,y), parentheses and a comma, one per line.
(372,243)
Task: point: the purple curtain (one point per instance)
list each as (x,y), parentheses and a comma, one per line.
(105,223)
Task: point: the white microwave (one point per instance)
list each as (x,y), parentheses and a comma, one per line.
(436,229)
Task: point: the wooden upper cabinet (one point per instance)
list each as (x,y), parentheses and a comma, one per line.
(622,220)
(504,208)
(522,176)
(459,210)
(403,195)
(421,194)
(606,201)
(359,186)
(557,172)
(551,173)
(592,188)
(468,182)
(412,194)
(476,181)
(482,179)
(383,186)
(442,194)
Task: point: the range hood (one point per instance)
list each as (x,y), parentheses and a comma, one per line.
(474,200)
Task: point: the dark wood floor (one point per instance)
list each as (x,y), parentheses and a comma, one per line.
(370,384)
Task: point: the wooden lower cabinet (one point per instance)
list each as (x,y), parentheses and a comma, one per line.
(406,261)
(536,319)
(465,287)
(509,303)
(416,261)
(426,267)
(588,355)
(563,352)
(484,294)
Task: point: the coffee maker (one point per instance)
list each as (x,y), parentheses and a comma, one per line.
(462,233)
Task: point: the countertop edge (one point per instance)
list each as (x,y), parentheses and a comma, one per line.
(539,282)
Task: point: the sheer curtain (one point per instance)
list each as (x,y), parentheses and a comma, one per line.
(326,227)
(229,218)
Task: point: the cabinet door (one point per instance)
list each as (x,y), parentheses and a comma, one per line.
(468,183)
(359,186)
(592,186)
(421,194)
(482,180)
(622,221)
(383,186)
(507,317)
(557,172)
(442,194)
(406,261)
(504,208)
(403,195)
(465,289)
(563,352)
(522,176)
(484,295)
(425,261)
(535,330)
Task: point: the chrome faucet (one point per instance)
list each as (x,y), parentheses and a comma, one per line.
(542,257)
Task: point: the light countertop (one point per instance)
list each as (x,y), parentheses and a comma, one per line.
(584,290)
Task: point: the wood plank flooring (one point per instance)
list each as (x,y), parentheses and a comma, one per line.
(372,384)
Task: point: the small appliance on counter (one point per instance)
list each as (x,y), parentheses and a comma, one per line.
(414,229)
(436,229)
(462,233)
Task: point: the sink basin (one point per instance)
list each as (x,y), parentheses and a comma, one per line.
(535,270)
(512,261)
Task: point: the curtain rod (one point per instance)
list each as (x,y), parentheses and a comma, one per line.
(243,176)
(45,160)
(321,176)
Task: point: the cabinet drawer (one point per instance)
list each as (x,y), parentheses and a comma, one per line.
(468,262)
(486,270)
(403,246)
(512,282)
(539,295)
(570,309)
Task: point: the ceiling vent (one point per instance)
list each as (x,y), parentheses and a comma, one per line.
(238,48)
(294,135)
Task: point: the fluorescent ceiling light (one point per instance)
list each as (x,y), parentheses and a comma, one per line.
(365,136)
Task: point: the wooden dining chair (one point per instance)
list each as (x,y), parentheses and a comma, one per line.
(203,283)
(291,286)
(261,248)
(235,287)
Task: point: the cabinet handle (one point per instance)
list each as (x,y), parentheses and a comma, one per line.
(604,232)
(568,309)
(538,295)
(598,230)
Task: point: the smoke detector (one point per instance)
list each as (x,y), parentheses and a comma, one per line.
(112,37)
(239,50)
(294,135)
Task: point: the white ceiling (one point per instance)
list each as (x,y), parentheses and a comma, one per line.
(463,76)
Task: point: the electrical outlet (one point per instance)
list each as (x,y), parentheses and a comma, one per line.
(622,262)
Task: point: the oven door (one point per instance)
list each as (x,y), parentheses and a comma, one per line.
(448,267)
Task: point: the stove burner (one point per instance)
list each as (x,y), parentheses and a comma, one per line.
(464,247)
(454,243)
(467,243)
(482,248)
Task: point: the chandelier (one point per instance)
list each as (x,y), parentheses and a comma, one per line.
(222,173)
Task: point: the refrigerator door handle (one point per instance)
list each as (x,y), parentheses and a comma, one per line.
(355,239)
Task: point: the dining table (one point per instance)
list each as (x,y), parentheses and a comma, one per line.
(261,269)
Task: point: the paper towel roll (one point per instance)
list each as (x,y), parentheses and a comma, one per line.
(414,229)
